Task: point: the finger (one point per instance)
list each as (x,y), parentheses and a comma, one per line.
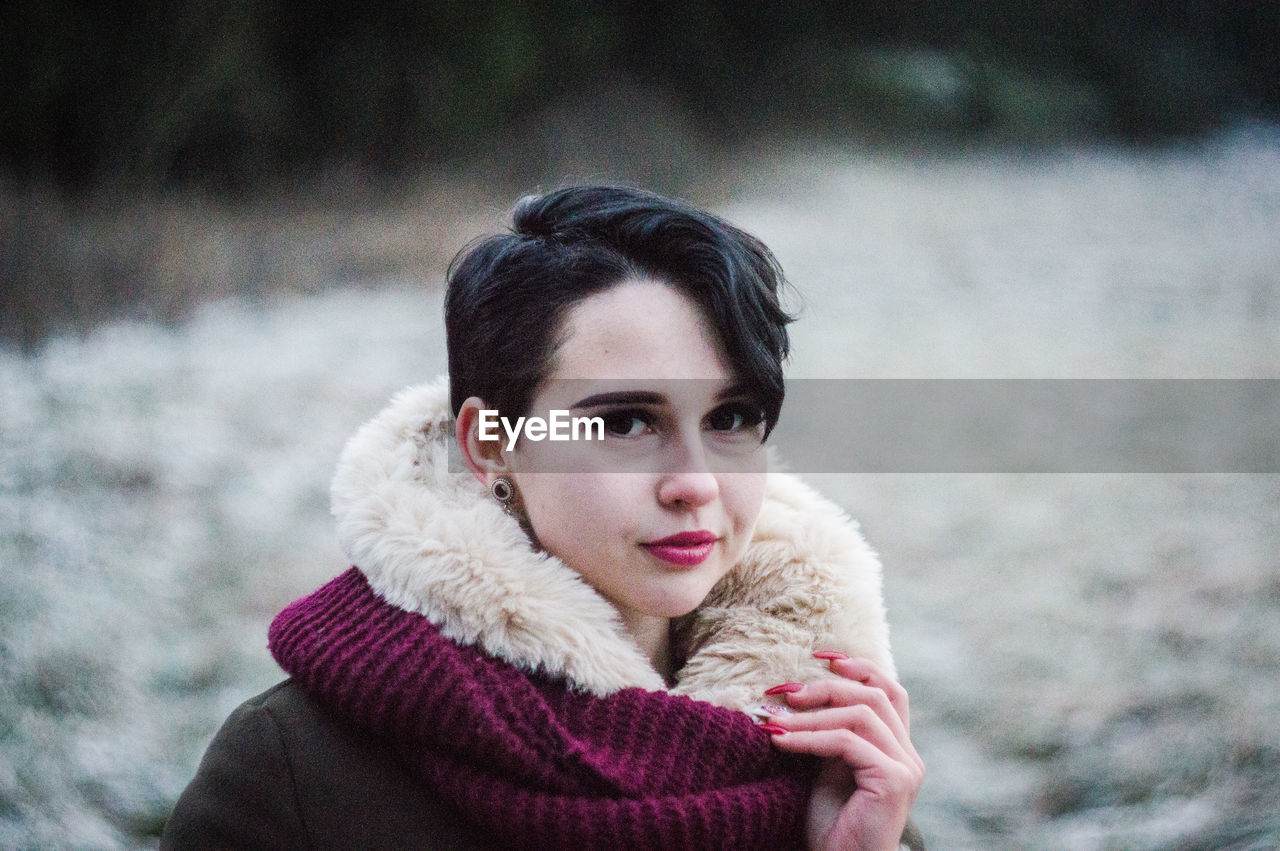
(868,673)
(874,770)
(840,692)
(859,719)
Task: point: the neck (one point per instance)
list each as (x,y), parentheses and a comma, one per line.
(653,635)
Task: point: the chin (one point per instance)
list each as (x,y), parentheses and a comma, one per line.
(677,605)
(678,611)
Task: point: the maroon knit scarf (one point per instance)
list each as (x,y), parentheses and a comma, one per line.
(529,761)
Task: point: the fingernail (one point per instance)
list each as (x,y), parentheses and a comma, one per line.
(830,655)
(773,729)
(786,688)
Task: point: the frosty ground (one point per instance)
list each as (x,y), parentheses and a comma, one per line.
(1094,660)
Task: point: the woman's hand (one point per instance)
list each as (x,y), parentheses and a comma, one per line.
(860,724)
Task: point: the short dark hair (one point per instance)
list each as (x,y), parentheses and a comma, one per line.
(508,294)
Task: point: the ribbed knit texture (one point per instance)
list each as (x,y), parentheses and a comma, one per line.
(530,762)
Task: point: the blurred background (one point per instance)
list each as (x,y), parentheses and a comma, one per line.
(223,234)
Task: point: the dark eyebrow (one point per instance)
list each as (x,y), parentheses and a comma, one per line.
(734,391)
(648,397)
(621,397)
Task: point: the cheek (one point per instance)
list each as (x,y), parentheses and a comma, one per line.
(743,494)
(567,511)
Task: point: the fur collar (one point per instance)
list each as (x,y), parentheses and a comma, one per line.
(430,540)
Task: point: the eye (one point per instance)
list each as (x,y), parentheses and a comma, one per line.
(735,417)
(626,423)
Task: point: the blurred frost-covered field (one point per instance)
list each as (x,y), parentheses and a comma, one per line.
(1094,660)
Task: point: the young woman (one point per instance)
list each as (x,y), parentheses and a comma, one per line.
(638,637)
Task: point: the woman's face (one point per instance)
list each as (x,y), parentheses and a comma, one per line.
(656,512)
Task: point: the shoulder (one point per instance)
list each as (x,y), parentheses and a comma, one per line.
(244,793)
(282,772)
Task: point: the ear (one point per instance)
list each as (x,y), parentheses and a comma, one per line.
(485,458)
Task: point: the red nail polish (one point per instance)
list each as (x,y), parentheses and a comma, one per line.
(785,688)
(830,655)
(773,729)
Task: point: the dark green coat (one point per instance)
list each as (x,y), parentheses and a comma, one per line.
(283,774)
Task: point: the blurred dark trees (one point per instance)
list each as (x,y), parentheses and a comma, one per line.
(156,155)
(230,94)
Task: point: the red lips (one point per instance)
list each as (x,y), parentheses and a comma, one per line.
(684,539)
(683,548)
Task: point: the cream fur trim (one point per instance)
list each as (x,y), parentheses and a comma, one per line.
(430,540)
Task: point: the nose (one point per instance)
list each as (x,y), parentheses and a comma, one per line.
(688,489)
(688,483)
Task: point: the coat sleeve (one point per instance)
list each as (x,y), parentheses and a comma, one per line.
(912,838)
(244,794)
